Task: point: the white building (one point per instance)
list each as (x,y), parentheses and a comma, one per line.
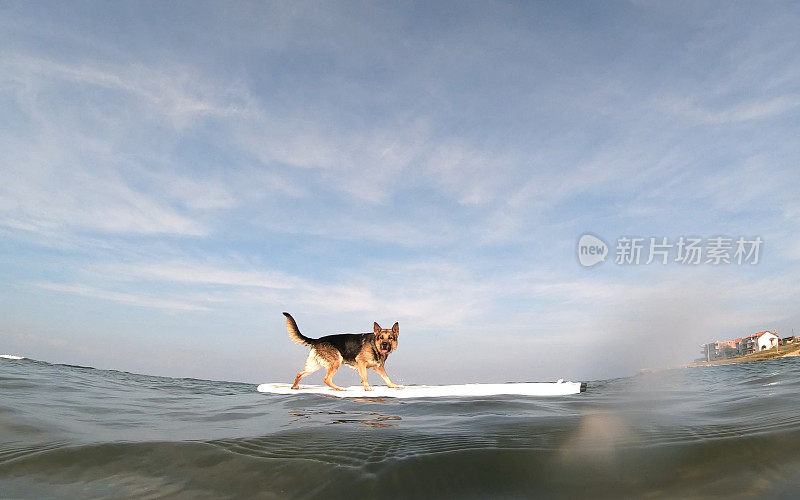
(767,340)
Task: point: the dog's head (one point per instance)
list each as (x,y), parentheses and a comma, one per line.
(386,338)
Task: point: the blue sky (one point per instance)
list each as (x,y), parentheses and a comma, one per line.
(174,175)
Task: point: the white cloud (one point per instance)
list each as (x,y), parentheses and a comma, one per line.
(42,197)
(176,92)
(103,165)
(249,286)
(759,109)
(120,297)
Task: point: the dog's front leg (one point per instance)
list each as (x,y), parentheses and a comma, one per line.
(362,370)
(382,372)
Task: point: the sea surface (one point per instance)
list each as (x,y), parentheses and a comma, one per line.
(73,432)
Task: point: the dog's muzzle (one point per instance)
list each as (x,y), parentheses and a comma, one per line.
(385,347)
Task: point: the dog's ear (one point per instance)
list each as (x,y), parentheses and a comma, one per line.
(396,329)
(377,327)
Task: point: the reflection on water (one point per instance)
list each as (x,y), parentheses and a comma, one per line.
(379,422)
(371,419)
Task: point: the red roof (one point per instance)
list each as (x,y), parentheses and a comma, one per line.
(762,333)
(753,336)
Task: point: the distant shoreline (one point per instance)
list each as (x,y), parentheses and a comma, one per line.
(774,353)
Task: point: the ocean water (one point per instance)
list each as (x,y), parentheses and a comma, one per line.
(72,432)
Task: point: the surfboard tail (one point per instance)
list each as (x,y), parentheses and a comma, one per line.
(294,332)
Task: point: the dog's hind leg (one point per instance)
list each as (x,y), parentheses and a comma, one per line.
(331,369)
(311,366)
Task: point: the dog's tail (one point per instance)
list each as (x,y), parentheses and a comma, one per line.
(294,332)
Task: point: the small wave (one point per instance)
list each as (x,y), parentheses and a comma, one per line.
(403,465)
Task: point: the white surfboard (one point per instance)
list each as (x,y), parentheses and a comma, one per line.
(10,356)
(559,388)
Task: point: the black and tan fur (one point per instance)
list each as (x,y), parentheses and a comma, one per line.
(358,350)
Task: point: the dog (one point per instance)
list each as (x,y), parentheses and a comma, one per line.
(357,350)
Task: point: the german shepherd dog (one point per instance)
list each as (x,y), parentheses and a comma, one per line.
(357,350)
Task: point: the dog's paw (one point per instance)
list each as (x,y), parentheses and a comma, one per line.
(367,387)
(395,386)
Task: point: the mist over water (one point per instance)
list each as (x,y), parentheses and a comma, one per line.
(78,432)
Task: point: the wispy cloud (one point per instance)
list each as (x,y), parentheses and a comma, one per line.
(66,172)
(174,92)
(44,197)
(122,298)
(742,112)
